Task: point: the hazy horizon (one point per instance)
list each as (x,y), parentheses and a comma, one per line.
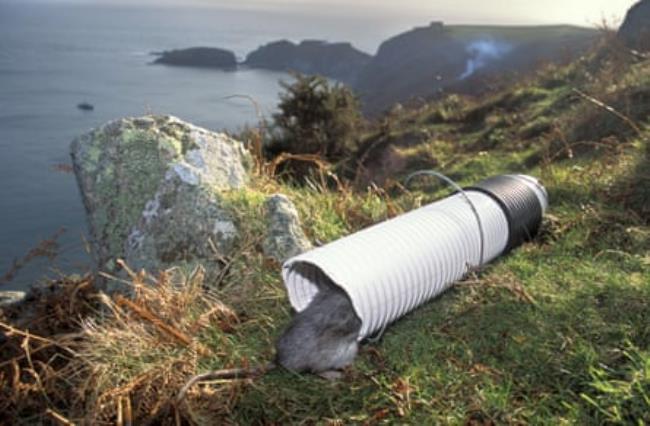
(503,12)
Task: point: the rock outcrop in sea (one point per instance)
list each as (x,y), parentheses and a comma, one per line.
(201,57)
(340,61)
(152,190)
(635,30)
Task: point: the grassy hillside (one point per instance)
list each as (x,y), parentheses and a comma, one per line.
(427,61)
(520,33)
(556,332)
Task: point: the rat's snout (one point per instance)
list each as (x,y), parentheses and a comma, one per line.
(323,336)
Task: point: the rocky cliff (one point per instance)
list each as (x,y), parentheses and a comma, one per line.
(428,61)
(635,30)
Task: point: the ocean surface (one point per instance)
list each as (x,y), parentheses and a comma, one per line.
(54,56)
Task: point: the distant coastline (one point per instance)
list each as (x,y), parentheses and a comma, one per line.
(339,61)
(438,59)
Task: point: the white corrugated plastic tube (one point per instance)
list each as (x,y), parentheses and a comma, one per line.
(390,268)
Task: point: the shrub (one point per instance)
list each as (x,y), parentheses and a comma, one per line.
(316,118)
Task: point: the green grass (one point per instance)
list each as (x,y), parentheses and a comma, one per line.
(575,350)
(519,33)
(555,332)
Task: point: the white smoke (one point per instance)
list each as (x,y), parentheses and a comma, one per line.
(481,53)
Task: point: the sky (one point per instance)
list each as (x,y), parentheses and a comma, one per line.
(579,12)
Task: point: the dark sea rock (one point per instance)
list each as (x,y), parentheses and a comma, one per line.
(85,106)
(429,61)
(340,61)
(200,57)
(635,30)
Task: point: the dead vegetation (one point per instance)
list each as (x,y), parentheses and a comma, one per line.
(47,248)
(82,357)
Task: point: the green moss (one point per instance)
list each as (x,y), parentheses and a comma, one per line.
(129,185)
(246,206)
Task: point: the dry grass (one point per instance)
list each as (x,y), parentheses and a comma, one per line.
(38,345)
(95,359)
(143,351)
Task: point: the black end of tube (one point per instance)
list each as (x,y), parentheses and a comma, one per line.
(519,203)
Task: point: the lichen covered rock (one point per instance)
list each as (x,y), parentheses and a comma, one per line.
(151,185)
(183,225)
(284,238)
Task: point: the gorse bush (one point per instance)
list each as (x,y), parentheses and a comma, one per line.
(316,118)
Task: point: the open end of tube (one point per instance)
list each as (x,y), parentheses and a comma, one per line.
(304,279)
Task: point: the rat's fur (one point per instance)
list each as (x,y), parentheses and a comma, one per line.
(322,337)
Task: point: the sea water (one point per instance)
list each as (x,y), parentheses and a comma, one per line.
(54,56)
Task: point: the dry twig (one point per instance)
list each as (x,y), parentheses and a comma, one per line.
(610,109)
(227,374)
(147,315)
(48,248)
(58,418)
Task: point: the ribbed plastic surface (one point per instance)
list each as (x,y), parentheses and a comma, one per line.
(523,200)
(537,188)
(392,267)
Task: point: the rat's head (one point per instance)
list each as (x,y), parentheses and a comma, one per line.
(323,336)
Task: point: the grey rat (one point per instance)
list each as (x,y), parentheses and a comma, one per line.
(321,339)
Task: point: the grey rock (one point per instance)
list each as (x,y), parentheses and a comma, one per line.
(151,188)
(185,224)
(284,238)
(8,298)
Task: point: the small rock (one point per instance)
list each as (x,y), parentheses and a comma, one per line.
(85,106)
(8,298)
(285,237)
